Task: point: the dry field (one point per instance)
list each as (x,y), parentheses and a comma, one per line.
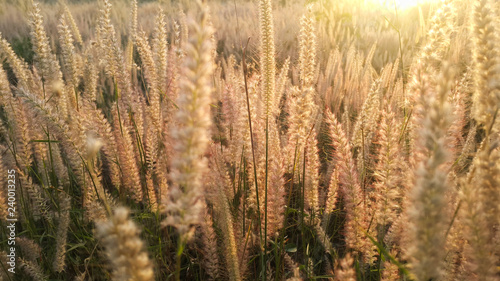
(250,140)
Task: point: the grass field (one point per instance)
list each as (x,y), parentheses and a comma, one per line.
(250,140)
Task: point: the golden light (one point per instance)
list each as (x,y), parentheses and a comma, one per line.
(401,4)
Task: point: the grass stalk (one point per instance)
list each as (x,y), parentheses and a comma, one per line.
(253,149)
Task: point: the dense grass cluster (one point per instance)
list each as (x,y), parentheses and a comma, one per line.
(160,151)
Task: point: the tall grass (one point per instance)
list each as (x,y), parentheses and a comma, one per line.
(205,141)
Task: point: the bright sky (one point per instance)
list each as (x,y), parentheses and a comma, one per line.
(402,4)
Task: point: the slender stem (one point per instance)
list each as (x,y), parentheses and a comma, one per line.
(303,186)
(265,194)
(180,249)
(253,148)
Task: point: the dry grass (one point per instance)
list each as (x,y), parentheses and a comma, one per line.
(240,140)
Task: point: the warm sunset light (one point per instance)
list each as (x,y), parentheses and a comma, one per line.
(232,140)
(403,4)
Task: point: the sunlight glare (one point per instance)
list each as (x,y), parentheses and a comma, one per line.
(401,4)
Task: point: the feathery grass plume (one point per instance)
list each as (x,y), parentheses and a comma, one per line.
(276,182)
(120,237)
(481,197)
(45,61)
(481,189)
(151,193)
(323,238)
(356,214)
(282,81)
(331,197)
(427,212)
(302,113)
(36,202)
(302,106)
(464,147)
(154,110)
(438,36)
(177,34)
(160,51)
(386,189)
(184,30)
(5,93)
(456,260)
(32,269)
(59,167)
(427,67)
(344,269)
(307,53)
(62,232)
(174,59)
(22,149)
(234,121)
(393,83)
(487,63)
(302,109)
(71,67)
(208,245)
(102,134)
(162,176)
(112,57)
(364,128)
(40,152)
(95,200)
(218,183)
(385,74)
(267,94)
(20,137)
(480,251)
(72,24)
(90,75)
(190,134)
(267,55)
(130,176)
(72,136)
(368,116)
(133,22)
(390,271)
(256,164)
(31,250)
(24,77)
(311,178)
(149,65)
(293,266)
(346,122)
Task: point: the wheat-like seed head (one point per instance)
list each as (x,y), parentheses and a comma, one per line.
(45,61)
(120,237)
(71,66)
(427,211)
(344,269)
(307,53)
(32,269)
(267,55)
(190,135)
(62,232)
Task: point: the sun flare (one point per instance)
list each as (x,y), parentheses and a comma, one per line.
(402,4)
